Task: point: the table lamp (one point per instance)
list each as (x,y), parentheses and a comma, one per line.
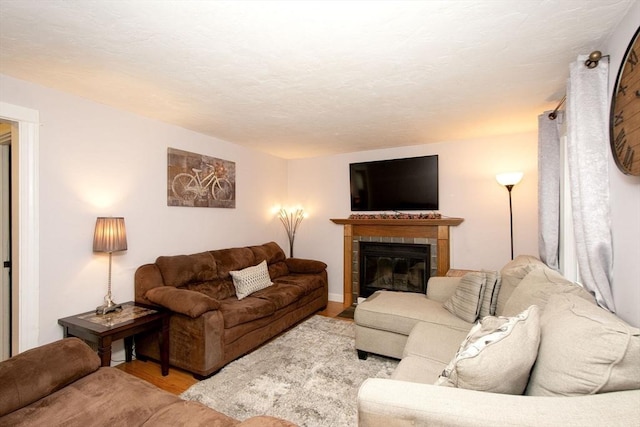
(110,236)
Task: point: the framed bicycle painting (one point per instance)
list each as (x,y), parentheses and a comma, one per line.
(197,180)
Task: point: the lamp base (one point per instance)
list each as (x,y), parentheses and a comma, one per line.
(108,308)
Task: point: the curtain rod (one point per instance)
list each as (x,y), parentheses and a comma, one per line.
(591,62)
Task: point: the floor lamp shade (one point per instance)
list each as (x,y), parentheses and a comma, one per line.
(109,236)
(509,178)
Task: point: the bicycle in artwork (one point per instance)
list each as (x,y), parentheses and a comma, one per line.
(188,187)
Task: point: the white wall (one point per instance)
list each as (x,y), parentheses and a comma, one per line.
(99,161)
(625,198)
(468,189)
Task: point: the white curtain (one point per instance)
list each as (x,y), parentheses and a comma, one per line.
(588,142)
(549,188)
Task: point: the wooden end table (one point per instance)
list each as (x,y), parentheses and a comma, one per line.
(134,318)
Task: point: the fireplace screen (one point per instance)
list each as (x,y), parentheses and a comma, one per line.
(394,266)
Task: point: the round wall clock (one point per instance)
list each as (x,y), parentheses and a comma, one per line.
(624,123)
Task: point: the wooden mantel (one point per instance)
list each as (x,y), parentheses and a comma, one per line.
(427,228)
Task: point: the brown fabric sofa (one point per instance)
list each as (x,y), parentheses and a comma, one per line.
(62,384)
(210,326)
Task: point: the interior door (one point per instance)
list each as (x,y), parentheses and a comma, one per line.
(5,244)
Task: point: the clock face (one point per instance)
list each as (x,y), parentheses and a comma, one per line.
(625,112)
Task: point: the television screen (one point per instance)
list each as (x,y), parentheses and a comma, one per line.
(409,184)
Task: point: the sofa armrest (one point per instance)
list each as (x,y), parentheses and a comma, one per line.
(183,301)
(383,402)
(441,288)
(146,277)
(36,373)
(308,266)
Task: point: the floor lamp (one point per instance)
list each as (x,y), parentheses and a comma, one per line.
(110,236)
(510,179)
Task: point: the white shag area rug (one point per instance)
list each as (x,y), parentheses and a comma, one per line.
(309,375)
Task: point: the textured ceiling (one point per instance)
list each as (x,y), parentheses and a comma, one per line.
(302,79)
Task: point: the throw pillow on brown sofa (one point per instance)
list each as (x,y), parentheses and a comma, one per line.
(251,279)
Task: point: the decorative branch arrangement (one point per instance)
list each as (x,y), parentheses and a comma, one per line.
(291,219)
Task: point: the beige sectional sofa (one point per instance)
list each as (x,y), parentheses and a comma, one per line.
(62,384)
(573,364)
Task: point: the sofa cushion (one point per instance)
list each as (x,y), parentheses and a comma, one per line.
(511,275)
(280,294)
(265,421)
(536,288)
(497,354)
(48,368)
(466,300)
(278,269)
(270,252)
(584,350)
(434,342)
(251,279)
(232,260)
(399,312)
(218,289)
(183,301)
(180,270)
(195,414)
(416,369)
(308,283)
(106,397)
(490,294)
(236,312)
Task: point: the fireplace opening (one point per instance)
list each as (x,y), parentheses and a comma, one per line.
(400,267)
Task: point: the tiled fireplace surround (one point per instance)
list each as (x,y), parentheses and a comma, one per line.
(355,265)
(434,232)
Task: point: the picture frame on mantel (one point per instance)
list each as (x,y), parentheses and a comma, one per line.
(197,180)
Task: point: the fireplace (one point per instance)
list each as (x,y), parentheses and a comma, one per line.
(393,266)
(434,232)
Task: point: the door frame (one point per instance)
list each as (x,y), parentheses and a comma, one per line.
(25,226)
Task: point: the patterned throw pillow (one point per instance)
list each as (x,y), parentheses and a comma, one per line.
(251,279)
(465,301)
(497,354)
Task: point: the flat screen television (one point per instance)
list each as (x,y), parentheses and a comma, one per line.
(409,184)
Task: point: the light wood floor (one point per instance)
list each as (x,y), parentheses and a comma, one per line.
(178,381)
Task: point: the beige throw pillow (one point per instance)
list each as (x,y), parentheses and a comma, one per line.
(251,279)
(497,354)
(584,350)
(490,293)
(465,301)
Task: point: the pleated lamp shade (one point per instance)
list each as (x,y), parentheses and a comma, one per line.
(110,235)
